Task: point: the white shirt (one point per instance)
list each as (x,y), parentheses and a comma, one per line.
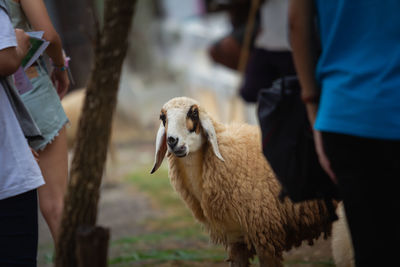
(19,172)
(7,34)
(274,33)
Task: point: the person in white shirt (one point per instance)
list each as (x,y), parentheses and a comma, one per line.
(271,57)
(20,175)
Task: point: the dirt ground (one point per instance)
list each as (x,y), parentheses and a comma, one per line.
(123,207)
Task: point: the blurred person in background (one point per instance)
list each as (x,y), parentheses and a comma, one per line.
(271,58)
(227,50)
(43,102)
(357,115)
(19,173)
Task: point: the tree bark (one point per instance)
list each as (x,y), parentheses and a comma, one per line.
(94,128)
(92,246)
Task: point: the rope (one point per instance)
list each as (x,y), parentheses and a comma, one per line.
(244,53)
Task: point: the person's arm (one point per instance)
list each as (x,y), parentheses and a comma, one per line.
(11,57)
(301,25)
(36,13)
(301,32)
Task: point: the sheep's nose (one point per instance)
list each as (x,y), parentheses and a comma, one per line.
(172,141)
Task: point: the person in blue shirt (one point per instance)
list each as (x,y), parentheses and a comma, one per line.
(356,116)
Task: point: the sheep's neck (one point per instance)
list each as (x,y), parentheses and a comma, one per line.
(192,168)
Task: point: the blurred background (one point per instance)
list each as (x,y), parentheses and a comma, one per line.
(168,54)
(172,53)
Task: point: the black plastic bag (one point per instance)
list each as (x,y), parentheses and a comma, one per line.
(288,144)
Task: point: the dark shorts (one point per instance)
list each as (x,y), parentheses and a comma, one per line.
(19,230)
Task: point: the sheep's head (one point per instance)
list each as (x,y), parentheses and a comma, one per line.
(184,128)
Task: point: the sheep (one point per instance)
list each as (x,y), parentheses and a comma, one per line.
(222,176)
(73,104)
(342,249)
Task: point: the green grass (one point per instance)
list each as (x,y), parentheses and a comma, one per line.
(175,236)
(321,263)
(157,185)
(169,255)
(163,196)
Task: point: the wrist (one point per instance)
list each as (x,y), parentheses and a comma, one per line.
(310,98)
(61,67)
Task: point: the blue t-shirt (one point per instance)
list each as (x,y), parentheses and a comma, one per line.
(359,68)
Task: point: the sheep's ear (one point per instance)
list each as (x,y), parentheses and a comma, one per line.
(209,131)
(161,148)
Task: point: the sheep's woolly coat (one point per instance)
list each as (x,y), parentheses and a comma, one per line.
(237,199)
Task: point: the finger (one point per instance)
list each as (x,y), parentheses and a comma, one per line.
(35,155)
(62,90)
(59,91)
(333,178)
(62,94)
(53,77)
(326,165)
(322,157)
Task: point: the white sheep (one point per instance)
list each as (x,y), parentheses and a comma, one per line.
(221,174)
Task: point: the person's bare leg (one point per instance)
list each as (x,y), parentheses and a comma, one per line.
(53,162)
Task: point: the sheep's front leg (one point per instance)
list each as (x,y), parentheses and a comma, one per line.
(239,255)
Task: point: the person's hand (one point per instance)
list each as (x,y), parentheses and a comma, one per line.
(312,109)
(23,43)
(61,81)
(323,159)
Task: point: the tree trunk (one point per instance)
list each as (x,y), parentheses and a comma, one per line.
(92,246)
(94,128)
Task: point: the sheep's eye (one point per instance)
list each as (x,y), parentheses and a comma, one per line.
(163,118)
(193,113)
(192,121)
